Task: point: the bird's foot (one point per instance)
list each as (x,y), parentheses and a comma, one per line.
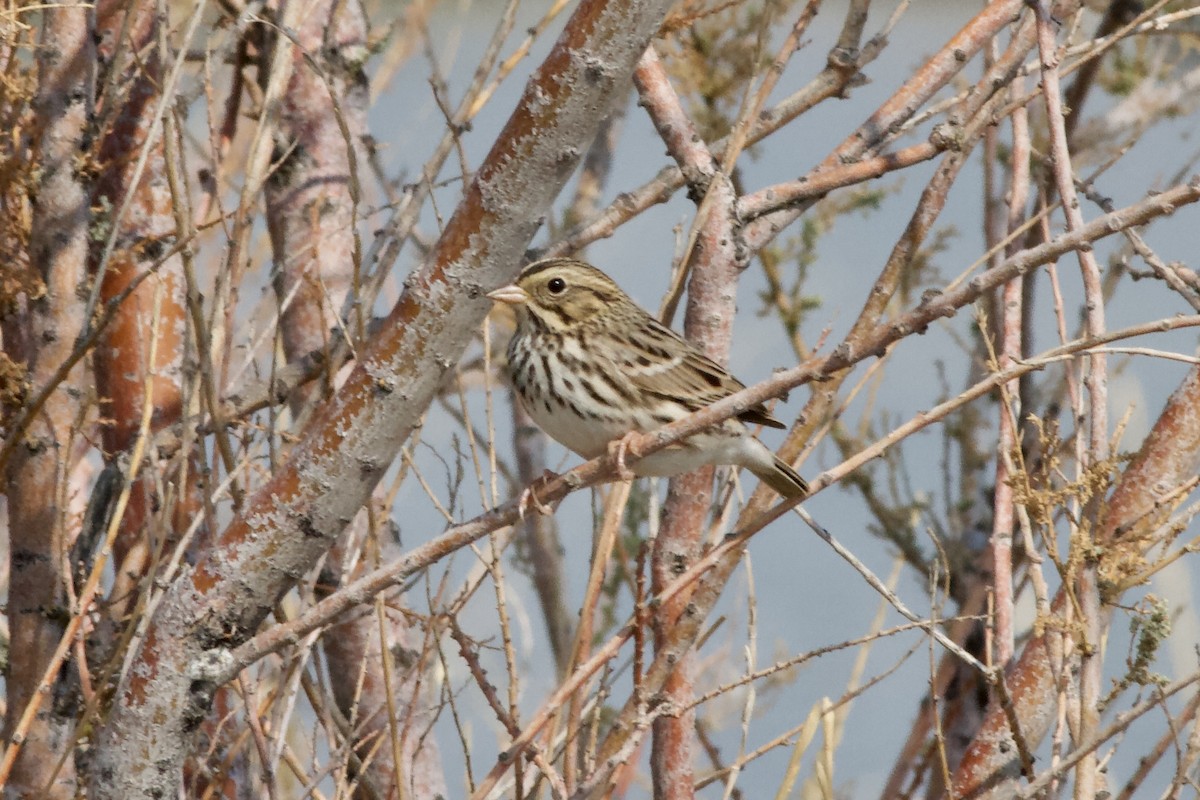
(617,450)
(529,498)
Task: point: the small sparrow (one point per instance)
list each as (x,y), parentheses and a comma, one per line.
(592,367)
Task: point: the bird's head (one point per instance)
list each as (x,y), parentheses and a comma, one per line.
(560,293)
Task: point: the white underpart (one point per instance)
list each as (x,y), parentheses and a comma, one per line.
(729,443)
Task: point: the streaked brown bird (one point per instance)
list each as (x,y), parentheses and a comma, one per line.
(591,366)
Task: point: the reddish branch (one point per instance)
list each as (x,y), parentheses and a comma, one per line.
(1010,350)
(714,262)
(153,316)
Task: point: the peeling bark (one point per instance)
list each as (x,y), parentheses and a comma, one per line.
(153,317)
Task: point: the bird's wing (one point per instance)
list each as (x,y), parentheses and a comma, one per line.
(668,366)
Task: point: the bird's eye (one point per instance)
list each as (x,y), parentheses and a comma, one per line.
(556,285)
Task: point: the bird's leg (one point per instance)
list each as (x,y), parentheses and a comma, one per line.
(529,498)
(617,449)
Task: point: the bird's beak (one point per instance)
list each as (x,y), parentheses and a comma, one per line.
(512,294)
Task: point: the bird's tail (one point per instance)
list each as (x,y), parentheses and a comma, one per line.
(782,478)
